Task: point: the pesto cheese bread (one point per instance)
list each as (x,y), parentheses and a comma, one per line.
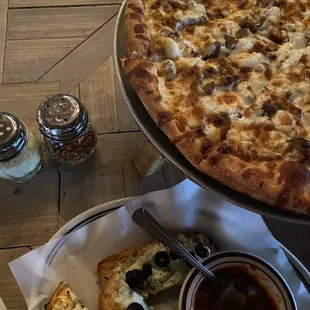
(129,277)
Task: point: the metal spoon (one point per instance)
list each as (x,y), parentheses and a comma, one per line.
(147,222)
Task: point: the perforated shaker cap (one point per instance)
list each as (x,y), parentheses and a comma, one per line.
(61,117)
(13,136)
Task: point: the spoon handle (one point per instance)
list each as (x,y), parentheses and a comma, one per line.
(147,222)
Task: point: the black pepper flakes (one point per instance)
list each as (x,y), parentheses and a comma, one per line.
(67,133)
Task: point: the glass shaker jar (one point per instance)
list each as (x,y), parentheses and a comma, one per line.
(66,132)
(20,150)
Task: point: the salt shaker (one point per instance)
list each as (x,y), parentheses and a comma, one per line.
(67,134)
(20,150)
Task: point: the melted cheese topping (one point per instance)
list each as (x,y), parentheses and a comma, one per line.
(67,299)
(195,14)
(258,57)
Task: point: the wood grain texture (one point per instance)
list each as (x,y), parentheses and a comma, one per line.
(147,160)
(112,150)
(33,247)
(29,211)
(28,60)
(98,95)
(3,25)
(23,99)
(76,92)
(47,23)
(82,190)
(49,164)
(50,3)
(9,290)
(135,185)
(126,121)
(61,221)
(173,175)
(81,62)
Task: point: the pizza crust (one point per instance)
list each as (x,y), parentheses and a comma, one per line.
(143,78)
(64,299)
(136,30)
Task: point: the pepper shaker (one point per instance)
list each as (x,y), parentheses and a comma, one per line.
(20,150)
(66,132)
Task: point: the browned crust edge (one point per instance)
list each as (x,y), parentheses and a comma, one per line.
(106,300)
(142,75)
(136,30)
(281,184)
(53,299)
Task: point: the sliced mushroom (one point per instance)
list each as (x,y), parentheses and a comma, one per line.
(279,2)
(175,4)
(241,33)
(213,50)
(209,72)
(209,88)
(167,7)
(230,80)
(248,22)
(220,119)
(167,32)
(269,108)
(191,20)
(302,147)
(230,41)
(277,35)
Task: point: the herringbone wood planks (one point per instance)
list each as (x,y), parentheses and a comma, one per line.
(64,22)
(64,54)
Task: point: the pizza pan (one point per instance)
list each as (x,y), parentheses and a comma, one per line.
(173,155)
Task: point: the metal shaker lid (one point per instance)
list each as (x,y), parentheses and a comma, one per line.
(13,136)
(61,117)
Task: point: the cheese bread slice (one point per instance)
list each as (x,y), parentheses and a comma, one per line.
(64,299)
(129,277)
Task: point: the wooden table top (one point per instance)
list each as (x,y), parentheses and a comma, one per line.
(47,47)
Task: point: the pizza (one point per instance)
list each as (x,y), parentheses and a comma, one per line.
(228,82)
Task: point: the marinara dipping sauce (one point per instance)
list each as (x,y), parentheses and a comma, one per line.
(251,294)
